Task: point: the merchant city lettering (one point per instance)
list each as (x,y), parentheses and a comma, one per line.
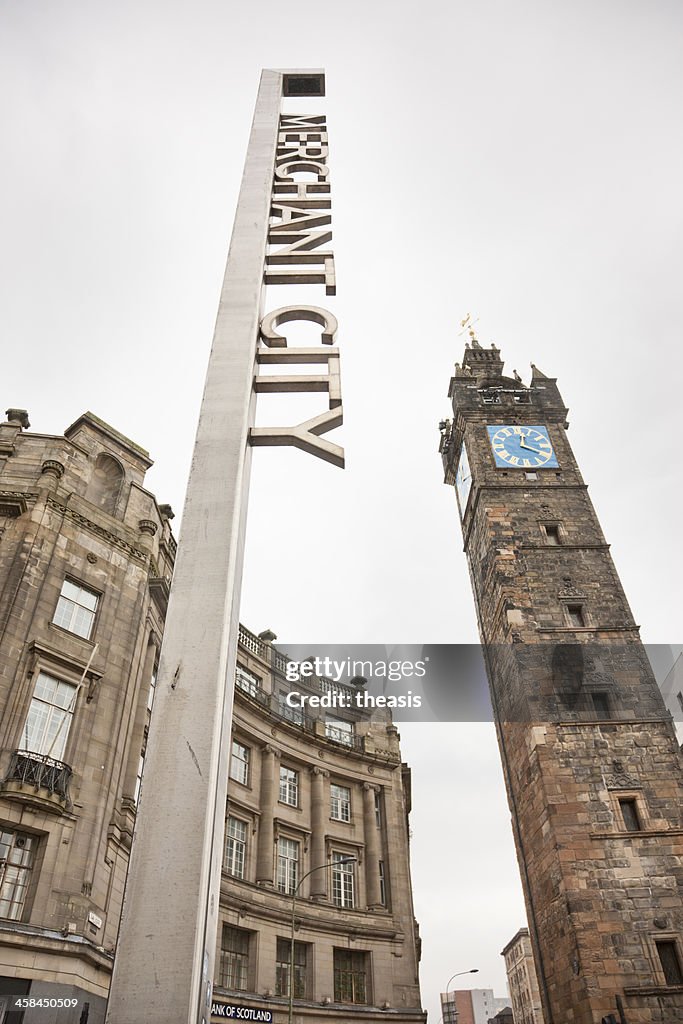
(298,236)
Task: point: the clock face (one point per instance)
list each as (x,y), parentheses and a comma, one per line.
(522,447)
(463,480)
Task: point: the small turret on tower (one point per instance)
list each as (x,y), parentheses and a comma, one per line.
(482,362)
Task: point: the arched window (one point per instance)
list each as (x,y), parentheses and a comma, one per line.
(105,485)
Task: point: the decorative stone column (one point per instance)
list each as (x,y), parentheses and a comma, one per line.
(270,759)
(52,471)
(372,847)
(319,815)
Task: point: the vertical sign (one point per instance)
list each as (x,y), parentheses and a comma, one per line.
(164,964)
(298,236)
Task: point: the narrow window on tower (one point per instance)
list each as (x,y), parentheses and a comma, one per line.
(629,814)
(670,960)
(601,705)
(552,534)
(576,616)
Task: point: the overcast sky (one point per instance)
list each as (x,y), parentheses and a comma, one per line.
(520,160)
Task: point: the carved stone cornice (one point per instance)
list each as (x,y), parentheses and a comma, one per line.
(14,503)
(99,531)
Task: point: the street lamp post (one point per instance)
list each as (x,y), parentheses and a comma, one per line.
(474,970)
(320,867)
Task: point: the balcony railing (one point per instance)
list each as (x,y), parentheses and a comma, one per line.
(252,643)
(345,737)
(40,771)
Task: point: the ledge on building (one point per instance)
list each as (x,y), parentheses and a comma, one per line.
(652,991)
(160,589)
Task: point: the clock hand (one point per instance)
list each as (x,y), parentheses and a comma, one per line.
(528,447)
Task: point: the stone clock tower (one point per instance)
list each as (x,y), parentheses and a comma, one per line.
(591,763)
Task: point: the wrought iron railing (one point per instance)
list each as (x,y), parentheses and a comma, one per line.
(345,737)
(276,706)
(40,771)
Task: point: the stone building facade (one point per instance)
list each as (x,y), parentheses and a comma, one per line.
(317,827)
(86,556)
(522,980)
(591,763)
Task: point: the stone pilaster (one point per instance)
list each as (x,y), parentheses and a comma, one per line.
(372,847)
(270,760)
(319,814)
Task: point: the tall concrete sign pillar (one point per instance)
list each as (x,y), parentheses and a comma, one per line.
(164,964)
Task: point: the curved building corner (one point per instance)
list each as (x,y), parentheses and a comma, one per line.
(317,827)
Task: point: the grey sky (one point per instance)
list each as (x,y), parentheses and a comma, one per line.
(521,160)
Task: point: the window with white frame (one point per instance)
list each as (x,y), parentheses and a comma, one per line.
(382,884)
(151,693)
(247,681)
(289,786)
(340,731)
(49,718)
(138,777)
(342,880)
(287,865)
(340,803)
(295,714)
(239,763)
(76,609)
(16,862)
(234,958)
(378,808)
(143,751)
(235,846)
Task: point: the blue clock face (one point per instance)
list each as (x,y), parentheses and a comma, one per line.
(522,447)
